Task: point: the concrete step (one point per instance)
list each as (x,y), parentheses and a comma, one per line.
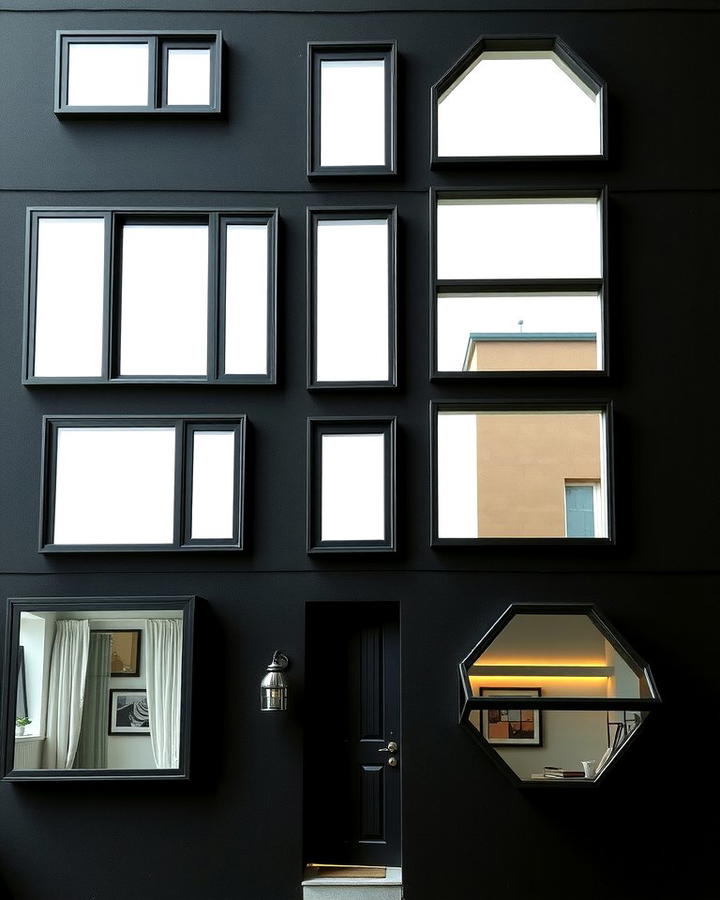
(388,888)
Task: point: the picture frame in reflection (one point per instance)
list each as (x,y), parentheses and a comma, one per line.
(124,652)
(512,727)
(129,712)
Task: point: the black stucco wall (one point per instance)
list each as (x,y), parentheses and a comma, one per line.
(234,833)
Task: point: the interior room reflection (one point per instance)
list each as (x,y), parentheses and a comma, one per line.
(99,690)
(544,656)
(521,474)
(520,332)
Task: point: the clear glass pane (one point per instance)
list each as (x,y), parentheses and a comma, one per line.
(519,332)
(69,297)
(213,484)
(552,745)
(107,74)
(246,300)
(114,486)
(523,238)
(188,76)
(353,487)
(94,648)
(519,104)
(504,474)
(559,655)
(164,302)
(352,112)
(352,341)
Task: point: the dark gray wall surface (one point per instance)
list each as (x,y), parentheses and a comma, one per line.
(234,832)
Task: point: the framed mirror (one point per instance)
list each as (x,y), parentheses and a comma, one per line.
(555,694)
(532,472)
(108,685)
(351,485)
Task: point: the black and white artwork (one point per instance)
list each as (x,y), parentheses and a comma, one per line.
(129,713)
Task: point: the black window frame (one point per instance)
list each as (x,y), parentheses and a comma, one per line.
(603,407)
(510,43)
(316,428)
(159,42)
(115,218)
(513,285)
(320,51)
(335,213)
(185,427)
(468,702)
(16,606)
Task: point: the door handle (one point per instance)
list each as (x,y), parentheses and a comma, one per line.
(392,747)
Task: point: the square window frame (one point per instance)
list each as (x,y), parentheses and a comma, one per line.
(603,407)
(15,606)
(514,285)
(517,42)
(184,427)
(316,428)
(316,214)
(115,218)
(159,42)
(321,51)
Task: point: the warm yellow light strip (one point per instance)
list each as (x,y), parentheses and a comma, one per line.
(579,663)
(533,680)
(539,671)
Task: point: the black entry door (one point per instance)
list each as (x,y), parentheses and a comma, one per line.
(353,746)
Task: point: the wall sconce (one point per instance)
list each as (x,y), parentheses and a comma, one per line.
(273,687)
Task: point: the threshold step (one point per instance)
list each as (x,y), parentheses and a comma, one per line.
(336,885)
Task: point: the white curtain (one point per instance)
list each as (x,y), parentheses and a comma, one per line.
(93,742)
(163,649)
(66,691)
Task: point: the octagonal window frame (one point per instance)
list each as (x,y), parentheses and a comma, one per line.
(468,702)
(509,44)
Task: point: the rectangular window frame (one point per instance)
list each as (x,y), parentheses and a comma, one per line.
(604,407)
(159,42)
(457,287)
(316,428)
(18,605)
(598,506)
(115,218)
(185,427)
(320,51)
(334,213)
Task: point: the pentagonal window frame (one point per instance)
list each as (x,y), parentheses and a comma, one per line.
(520,43)
(468,702)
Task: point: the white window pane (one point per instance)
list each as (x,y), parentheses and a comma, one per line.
(164,300)
(69,297)
(246,300)
(352,301)
(353,487)
(519,104)
(457,475)
(188,77)
(523,238)
(114,486)
(519,332)
(108,74)
(352,112)
(213,476)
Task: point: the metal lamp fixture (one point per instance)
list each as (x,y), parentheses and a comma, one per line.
(273,687)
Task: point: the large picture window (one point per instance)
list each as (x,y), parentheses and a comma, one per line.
(142,483)
(138,72)
(150,295)
(518,284)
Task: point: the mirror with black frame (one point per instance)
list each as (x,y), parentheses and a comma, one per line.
(101,688)
(555,694)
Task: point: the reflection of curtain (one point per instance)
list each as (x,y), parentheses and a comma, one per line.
(66,690)
(163,643)
(93,742)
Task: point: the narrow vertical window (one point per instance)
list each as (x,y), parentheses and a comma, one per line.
(189,76)
(351,109)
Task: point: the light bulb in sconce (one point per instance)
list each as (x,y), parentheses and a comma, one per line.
(273,687)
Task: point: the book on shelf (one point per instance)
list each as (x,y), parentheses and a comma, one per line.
(557,772)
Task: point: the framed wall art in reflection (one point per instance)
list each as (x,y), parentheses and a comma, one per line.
(124,651)
(129,712)
(512,727)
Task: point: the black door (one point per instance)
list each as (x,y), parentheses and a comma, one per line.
(353,747)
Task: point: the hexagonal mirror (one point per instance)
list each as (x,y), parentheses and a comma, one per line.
(554,694)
